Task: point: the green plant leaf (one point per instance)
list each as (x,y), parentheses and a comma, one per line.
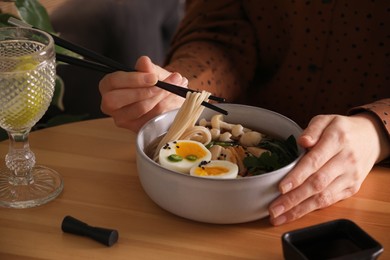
(64,51)
(4,19)
(32,12)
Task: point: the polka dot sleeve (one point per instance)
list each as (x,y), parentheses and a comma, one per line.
(215,48)
(380,108)
(297,58)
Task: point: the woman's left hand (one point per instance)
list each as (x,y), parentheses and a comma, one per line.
(341,150)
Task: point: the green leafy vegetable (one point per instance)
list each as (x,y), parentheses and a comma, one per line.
(281,153)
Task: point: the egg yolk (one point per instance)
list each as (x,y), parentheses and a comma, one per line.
(210,171)
(185,149)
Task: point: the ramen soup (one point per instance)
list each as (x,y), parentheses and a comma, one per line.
(218,149)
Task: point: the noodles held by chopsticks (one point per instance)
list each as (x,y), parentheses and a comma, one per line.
(185,119)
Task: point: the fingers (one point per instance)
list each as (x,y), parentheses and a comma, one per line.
(176,79)
(146,76)
(318,183)
(134,115)
(117,92)
(336,164)
(132,108)
(147,109)
(334,193)
(137,105)
(132,98)
(326,187)
(144,64)
(313,132)
(124,80)
(314,159)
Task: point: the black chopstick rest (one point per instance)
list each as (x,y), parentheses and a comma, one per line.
(105,236)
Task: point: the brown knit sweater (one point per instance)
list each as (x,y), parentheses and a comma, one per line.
(299,58)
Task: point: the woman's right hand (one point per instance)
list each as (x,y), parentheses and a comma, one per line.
(131,98)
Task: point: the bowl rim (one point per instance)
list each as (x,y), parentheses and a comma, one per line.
(141,152)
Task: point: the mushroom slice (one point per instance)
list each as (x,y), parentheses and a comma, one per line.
(204,122)
(225,137)
(238,130)
(218,123)
(215,133)
(256,151)
(251,138)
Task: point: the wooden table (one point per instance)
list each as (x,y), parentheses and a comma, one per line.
(97,162)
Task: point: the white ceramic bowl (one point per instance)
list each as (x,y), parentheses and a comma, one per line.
(222,201)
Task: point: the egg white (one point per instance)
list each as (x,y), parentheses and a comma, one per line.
(183,148)
(216,169)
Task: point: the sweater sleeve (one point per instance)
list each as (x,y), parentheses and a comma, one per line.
(214,48)
(381,109)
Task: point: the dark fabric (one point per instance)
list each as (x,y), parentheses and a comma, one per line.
(119,29)
(298,58)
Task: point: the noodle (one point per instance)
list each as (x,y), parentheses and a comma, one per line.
(185,118)
(197,133)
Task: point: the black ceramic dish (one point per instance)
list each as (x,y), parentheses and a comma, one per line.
(337,239)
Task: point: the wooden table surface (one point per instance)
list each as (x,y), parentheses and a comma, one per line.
(97,162)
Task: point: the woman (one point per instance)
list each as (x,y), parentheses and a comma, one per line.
(312,61)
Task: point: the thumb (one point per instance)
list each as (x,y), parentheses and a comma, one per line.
(314,130)
(145,64)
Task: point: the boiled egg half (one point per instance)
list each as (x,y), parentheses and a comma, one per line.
(215,169)
(182,155)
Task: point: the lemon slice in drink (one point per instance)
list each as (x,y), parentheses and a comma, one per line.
(26,63)
(29,101)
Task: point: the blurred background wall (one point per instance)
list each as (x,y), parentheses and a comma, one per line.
(120,29)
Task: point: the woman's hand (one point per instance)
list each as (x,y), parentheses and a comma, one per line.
(131,97)
(341,152)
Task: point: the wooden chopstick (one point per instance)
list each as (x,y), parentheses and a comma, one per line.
(107,65)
